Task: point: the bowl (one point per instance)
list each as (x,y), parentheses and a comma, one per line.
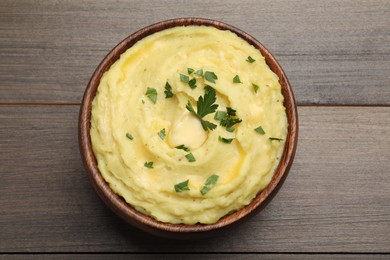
(145,222)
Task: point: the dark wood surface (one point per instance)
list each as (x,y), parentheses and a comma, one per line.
(332,51)
(336,198)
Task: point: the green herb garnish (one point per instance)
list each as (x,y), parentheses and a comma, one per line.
(205,105)
(219,115)
(161,134)
(250,59)
(231,111)
(275,139)
(227,119)
(148,164)
(182,186)
(260,130)
(230,129)
(168,90)
(225,140)
(128,135)
(151,93)
(184,78)
(199,72)
(189,70)
(192,83)
(211,181)
(190,157)
(210,76)
(255,87)
(183,147)
(236,79)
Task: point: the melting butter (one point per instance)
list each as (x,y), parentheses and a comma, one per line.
(187,130)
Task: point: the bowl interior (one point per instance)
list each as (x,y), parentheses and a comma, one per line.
(149,224)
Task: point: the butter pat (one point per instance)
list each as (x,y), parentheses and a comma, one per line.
(187,131)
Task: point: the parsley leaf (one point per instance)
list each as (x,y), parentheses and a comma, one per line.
(230,129)
(231,111)
(220,115)
(225,140)
(275,139)
(199,72)
(255,87)
(184,78)
(190,157)
(148,164)
(250,59)
(211,181)
(168,90)
(128,135)
(183,147)
(151,93)
(260,130)
(161,134)
(210,76)
(227,119)
(192,83)
(236,79)
(189,70)
(205,106)
(182,186)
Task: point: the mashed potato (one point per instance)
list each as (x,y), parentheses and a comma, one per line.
(162,143)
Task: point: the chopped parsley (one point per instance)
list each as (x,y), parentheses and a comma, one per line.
(192,83)
(190,157)
(219,115)
(231,111)
(199,72)
(128,135)
(168,90)
(151,93)
(182,186)
(205,105)
(161,134)
(210,76)
(189,70)
(255,87)
(275,139)
(183,147)
(148,164)
(260,130)
(230,129)
(227,119)
(225,140)
(210,182)
(250,59)
(184,78)
(236,79)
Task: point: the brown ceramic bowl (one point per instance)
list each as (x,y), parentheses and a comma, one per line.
(149,224)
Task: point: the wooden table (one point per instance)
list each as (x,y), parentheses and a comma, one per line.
(335,202)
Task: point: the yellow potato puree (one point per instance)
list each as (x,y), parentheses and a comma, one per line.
(157,155)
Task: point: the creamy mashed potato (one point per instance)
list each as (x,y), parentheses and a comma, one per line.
(157,155)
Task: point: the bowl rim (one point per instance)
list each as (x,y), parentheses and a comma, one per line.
(141,220)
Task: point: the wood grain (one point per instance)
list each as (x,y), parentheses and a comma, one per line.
(198,256)
(334,52)
(334,200)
